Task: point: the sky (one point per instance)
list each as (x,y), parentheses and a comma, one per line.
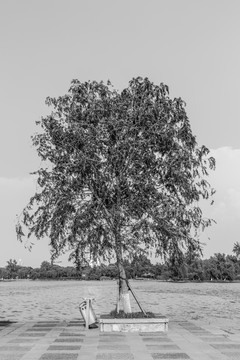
(192,46)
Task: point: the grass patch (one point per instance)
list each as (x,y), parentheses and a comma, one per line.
(135,315)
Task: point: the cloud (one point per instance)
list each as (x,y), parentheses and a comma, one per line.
(15,193)
(226,209)
(14,196)
(227,166)
(226,181)
(234,200)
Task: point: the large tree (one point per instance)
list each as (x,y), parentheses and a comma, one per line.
(123,172)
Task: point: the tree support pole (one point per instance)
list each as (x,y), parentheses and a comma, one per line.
(87,314)
(135,297)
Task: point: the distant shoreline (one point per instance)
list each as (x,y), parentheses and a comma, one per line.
(137,279)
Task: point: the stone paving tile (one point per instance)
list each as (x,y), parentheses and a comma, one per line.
(11,329)
(113,334)
(63,342)
(170,356)
(114,347)
(116,356)
(157,339)
(193,328)
(3,327)
(38,329)
(75,326)
(186,322)
(68,340)
(64,347)
(15,348)
(215,339)
(11,356)
(112,339)
(32,335)
(231,346)
(189,324)
(59,356)
(48,323)
(43,325)
(72,334)
(232,355)
(162,347)
(76,321)
(208,333)
(199,332)
(22,341)
(161,334)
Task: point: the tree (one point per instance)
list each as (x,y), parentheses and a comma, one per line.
(4,273)
(211,270)
(141,265)
(12,267)
(24,272)
(45,266)
(236,249)
(220,267)
(122,171)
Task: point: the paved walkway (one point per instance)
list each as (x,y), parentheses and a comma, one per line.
(49,340)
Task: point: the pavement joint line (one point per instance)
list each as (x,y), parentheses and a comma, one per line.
(42,344)
(9,329)
(194,347)
(12,333)
(89,346)
(189,342)
(138,347)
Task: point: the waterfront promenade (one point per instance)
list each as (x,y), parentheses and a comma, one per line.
(68,340)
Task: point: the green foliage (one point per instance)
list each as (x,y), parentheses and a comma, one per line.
(219,267)
(24,272)
(140,265)
(45,266)
(236,249)
(4,273)
(12,267)
(121,170)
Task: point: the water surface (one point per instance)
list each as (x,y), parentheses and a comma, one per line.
(26,300)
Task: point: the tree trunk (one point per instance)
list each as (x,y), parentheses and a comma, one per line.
(123,289)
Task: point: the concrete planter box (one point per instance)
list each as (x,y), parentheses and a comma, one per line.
(159,323)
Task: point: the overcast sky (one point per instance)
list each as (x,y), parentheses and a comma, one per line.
(192,46)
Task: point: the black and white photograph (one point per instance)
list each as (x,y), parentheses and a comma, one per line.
(120,180)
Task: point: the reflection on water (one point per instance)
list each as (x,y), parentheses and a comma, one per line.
(32,300)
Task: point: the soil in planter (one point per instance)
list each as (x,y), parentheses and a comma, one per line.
(135,315)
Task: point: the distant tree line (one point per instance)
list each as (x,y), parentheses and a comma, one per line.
(46,271)
(219,267)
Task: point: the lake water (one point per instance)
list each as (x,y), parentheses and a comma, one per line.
(214,303)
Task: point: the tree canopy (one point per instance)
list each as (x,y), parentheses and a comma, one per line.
(236,249)
(219,267)
(122,172)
